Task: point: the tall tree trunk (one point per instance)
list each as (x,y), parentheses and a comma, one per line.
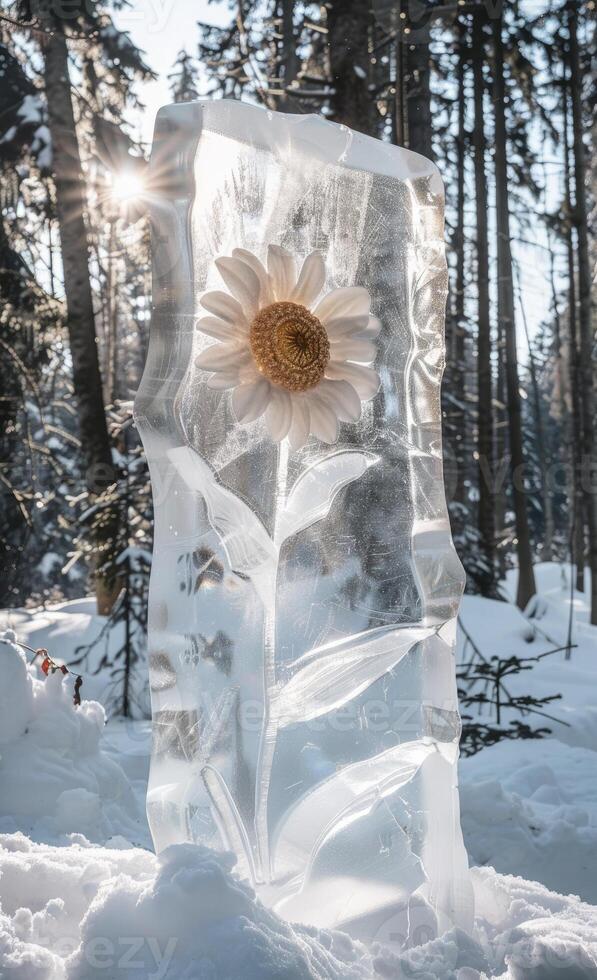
(484,381)
(577,528)
(348,23)
(567,427)
(70,207)
(460,167)
(399,114)
(457,351)
(584,307)
(526,576)
(109,331)
(418,96)
(289,57)
(501,451)
(558,341)
(15,358)
(547,546)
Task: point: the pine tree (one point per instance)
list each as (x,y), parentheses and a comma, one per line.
(506,316)
(418,84)
(586,337)
(349,25)
(116,64)
(577,501)
(43,193)
(30,323)
(71,207)
(484,376)
(289,57)
(183,80)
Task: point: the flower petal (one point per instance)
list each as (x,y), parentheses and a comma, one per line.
(223,380)
(241,281)
(363,379)
(310,281)
(343,399)
(354,349)
(324,424)
(224,306)
(248,373)
(220,329)
(278,415)
(282,268)
(250,401)
(373,327)
(346,326)
(221,357)
(344,302)
(300,427)
(265,282)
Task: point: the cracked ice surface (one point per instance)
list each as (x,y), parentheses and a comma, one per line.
(303,603)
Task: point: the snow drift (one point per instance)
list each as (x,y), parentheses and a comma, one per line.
(55,778)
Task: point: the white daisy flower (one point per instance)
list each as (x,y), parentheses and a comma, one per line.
(303,364)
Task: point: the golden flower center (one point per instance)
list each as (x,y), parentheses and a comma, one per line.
(290,346)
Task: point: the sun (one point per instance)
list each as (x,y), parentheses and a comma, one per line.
(127,186)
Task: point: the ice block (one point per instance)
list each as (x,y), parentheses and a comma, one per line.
(305,587)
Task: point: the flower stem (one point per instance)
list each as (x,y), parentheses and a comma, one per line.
(269,729)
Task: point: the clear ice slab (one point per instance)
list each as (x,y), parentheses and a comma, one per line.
(304,591)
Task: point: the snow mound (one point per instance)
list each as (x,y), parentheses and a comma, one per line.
(531,808)
(72,630)
(201,921)
(531,933)
(16,692)
(55,778)
(83,912)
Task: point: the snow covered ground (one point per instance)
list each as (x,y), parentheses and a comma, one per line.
(82,896)
(530,808)
(87,912)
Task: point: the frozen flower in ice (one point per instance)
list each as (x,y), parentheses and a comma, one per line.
(303,364)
